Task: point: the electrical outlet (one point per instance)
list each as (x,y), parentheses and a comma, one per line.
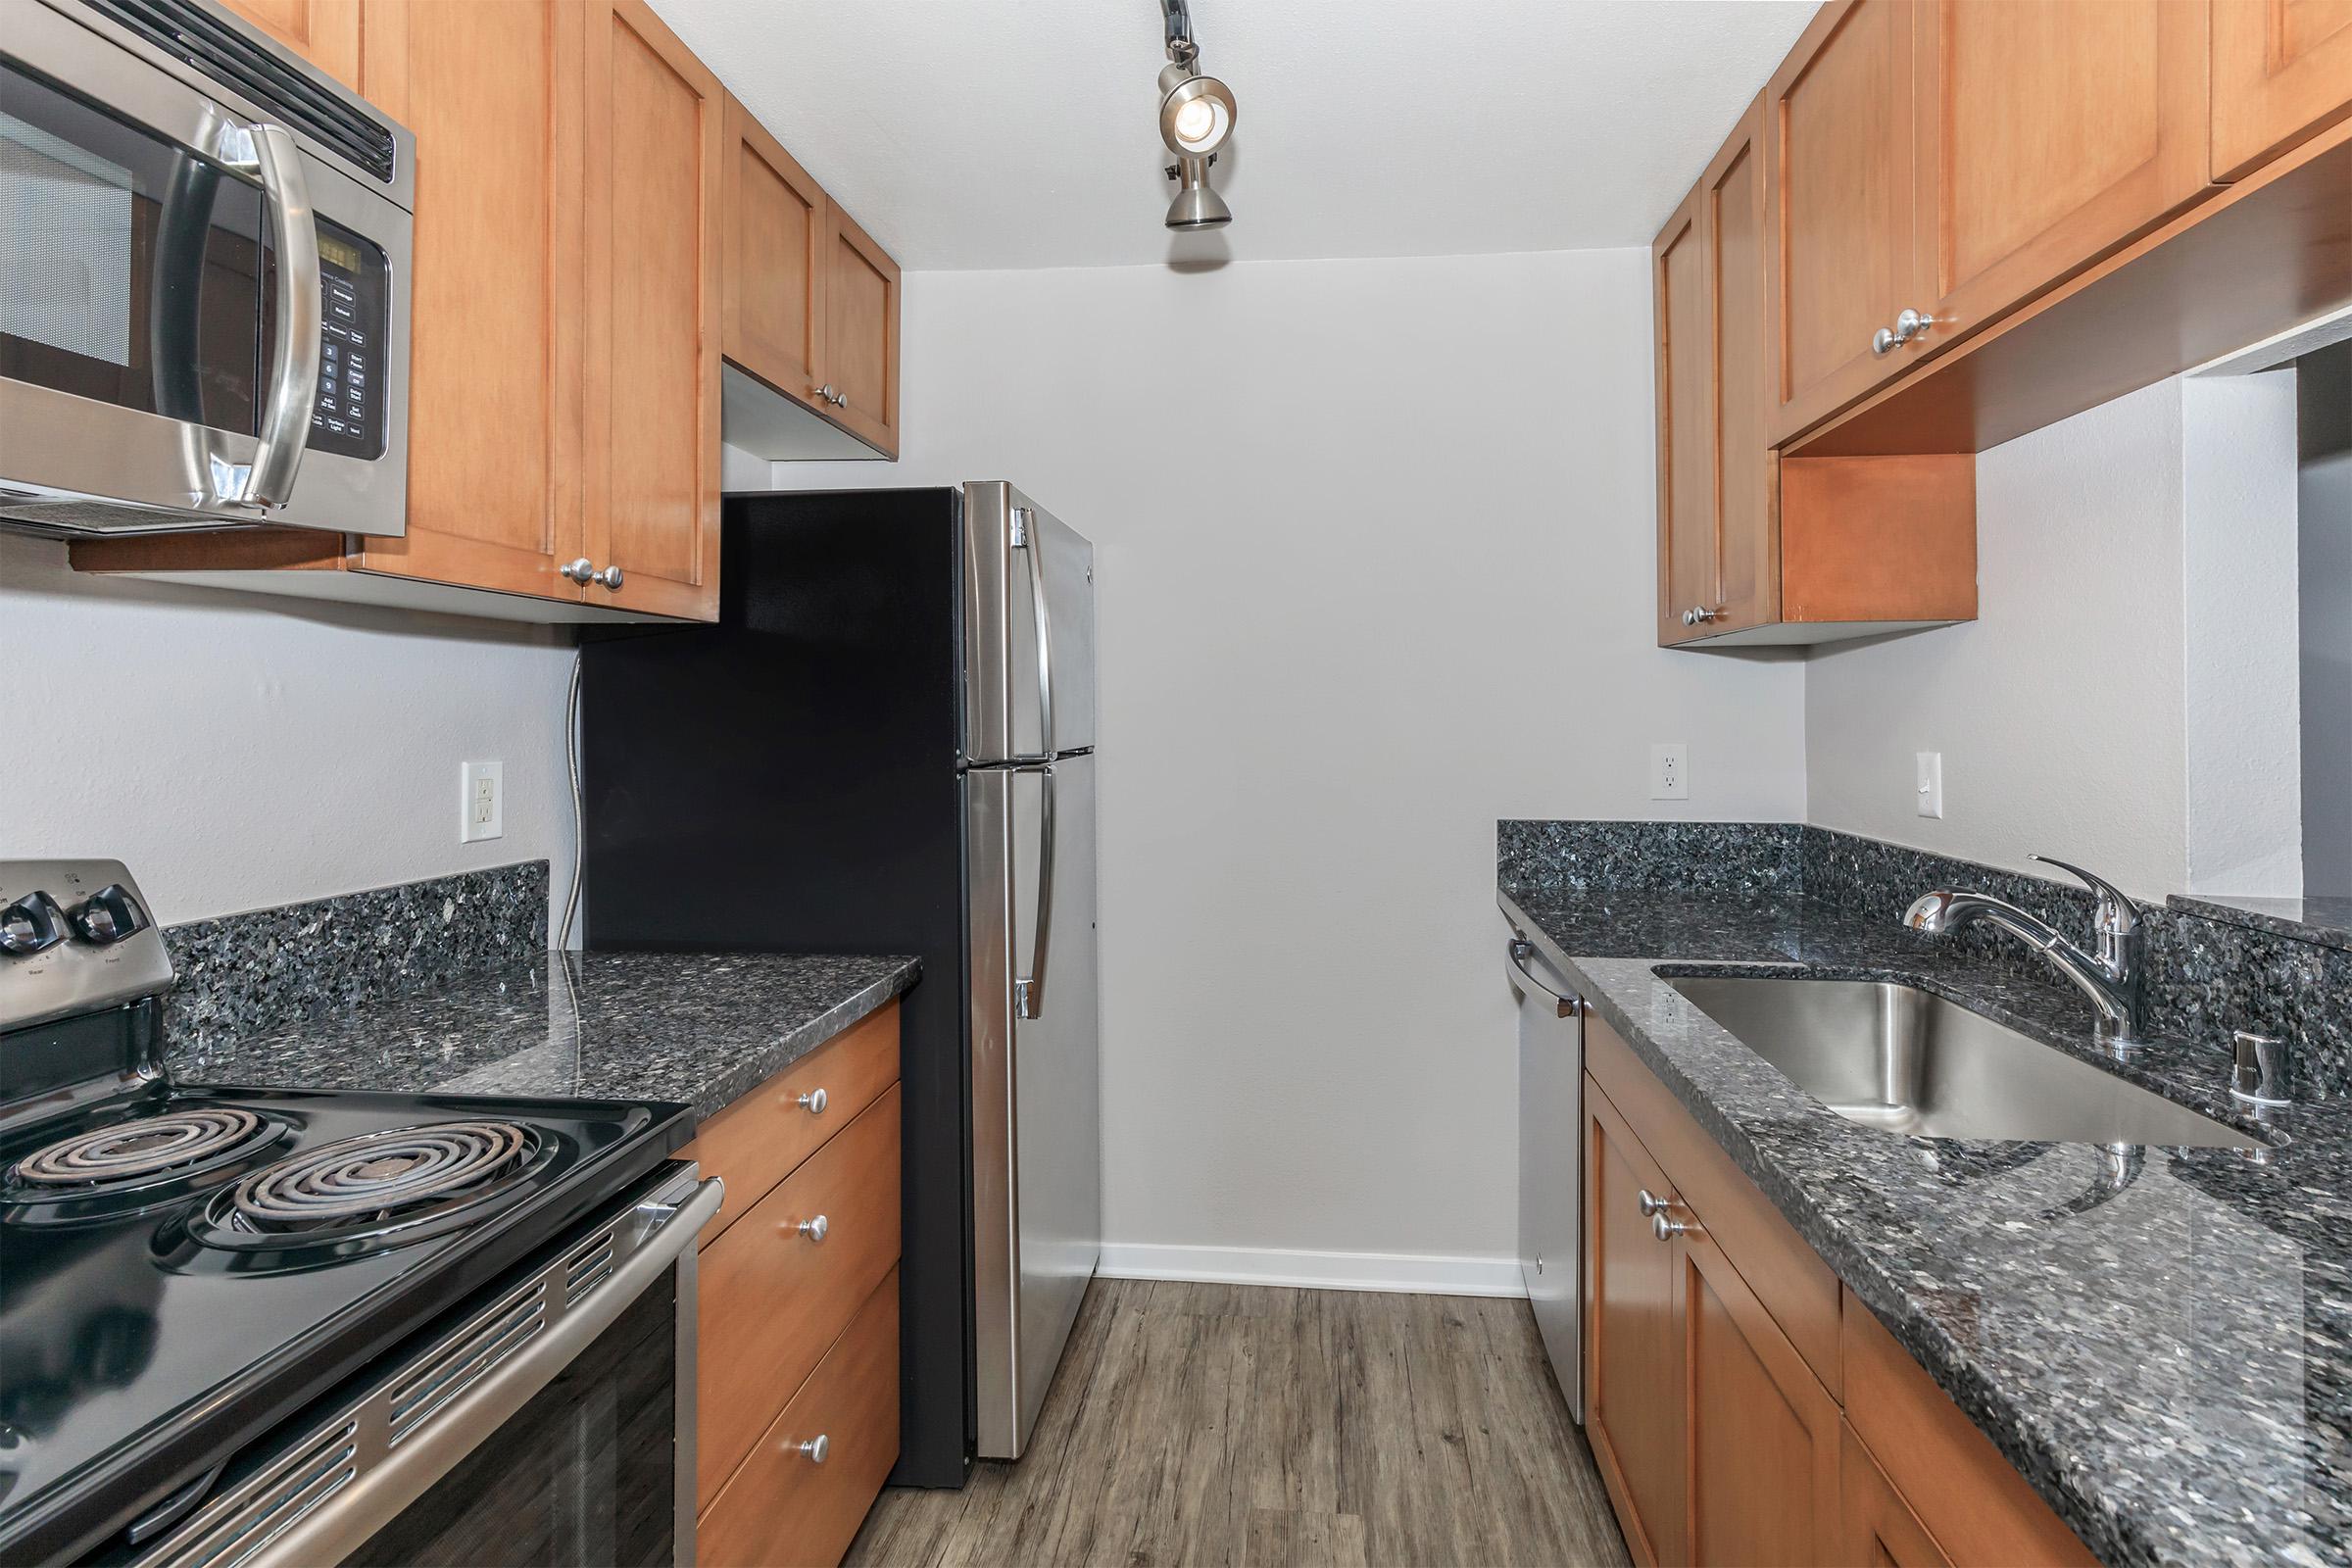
(481,813)
(1928,785)
(1670,771)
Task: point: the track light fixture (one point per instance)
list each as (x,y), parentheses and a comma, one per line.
(1197,114)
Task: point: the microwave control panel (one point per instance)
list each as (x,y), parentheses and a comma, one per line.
(350,417)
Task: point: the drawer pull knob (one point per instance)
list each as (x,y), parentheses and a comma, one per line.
(1651,1203)
(814,1451)
(814,1229)
(1666,1230)
(813,1102)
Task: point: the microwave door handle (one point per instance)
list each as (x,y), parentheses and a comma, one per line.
(295,354)
(1029,994)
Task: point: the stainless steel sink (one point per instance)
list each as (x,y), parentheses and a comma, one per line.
(1896,1056)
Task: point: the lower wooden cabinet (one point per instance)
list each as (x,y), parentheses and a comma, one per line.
(797,1316)
(804,1489)
(1743,1407)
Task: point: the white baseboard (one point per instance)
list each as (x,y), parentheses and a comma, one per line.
(1413,1273)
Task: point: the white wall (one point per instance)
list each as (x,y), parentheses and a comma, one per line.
(2060,710)
(1375,554)
(241,751)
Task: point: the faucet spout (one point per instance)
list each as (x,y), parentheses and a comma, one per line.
(2110,977)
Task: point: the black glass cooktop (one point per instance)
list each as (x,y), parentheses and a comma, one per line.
(181,1269)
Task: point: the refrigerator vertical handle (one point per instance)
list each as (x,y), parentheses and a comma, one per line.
(1029,991)
(1024,537)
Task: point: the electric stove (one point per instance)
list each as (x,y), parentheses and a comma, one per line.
(184,1268)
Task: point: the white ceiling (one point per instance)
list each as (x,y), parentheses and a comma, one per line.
(1021,134)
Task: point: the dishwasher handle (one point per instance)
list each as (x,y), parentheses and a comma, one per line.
(1522,949)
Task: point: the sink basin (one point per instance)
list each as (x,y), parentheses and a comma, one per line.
(1896,1056)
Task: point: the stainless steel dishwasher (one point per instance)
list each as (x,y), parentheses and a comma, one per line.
(1551,1158)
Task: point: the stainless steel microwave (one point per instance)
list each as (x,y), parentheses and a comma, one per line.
(204,278)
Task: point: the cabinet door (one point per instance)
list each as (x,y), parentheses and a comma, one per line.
(324,33)
(2281,72)
(1841,256)
(775,254)
(1881,1530)
(1633,1351)
(657,135)
(1763,1438)
(1746,488)
(492,92)
(1686,454)
(2004,85)
(862,332)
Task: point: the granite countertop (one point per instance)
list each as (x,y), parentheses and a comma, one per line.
(2163,1346)
(691,1028)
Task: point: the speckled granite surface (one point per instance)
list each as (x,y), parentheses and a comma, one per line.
(694,1028)
(2328,921)
(2161,1344)
(248,972)
(2213,968)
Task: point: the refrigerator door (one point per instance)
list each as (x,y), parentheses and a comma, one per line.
(1028,629)
(1037,1141)
(1551,1158)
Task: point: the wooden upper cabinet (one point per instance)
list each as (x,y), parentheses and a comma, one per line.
(324,33)
(1686,454)
(2281,72)
(1633,1355)
(655,155)
(862,332)
(2049,132)
(1718,498)
(1763,1445)
(1839,260)
(775,260)
(495,492)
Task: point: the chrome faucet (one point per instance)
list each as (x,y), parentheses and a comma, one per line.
(2110,976)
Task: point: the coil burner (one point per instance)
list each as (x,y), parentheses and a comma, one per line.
(134,1154)
(389,1187)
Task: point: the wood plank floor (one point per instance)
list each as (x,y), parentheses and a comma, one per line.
(1219,1424)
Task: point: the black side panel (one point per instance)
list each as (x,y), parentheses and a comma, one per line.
(785,781)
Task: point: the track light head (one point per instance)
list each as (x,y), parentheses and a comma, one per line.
(1196,206)
(1196,113)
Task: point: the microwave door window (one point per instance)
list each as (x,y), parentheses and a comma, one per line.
(130,269)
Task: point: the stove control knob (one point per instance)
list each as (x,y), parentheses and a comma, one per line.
(32,924)
(109,916)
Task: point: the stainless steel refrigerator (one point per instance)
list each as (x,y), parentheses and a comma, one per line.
(886,745)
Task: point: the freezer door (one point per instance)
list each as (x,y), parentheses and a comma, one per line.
(1037,1138)
(1028,629)
(1551,1159)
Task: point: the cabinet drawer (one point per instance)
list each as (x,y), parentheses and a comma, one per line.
(772,1299)
(1976,1507)
(1787,1276)
(755,1143)
(784,1507)
(1881,1530)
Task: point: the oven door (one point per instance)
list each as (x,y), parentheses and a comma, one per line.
(553,1427)
(202,317)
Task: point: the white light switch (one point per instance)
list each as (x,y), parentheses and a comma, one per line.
(1670,771)
(480,814)
(1928,785)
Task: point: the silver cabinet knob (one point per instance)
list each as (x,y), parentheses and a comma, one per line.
(1652,1204)
(1666,1230)
(814,1451)
(828,393)
(814,1229)
(1882,342)
(1700,615)
(610,577)
(581,570)
(813,1102)
(1909,323)
(1689,618)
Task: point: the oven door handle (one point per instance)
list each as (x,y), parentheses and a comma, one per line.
(295,357)
(346,1519)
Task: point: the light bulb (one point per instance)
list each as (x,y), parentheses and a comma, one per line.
(1196,122)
